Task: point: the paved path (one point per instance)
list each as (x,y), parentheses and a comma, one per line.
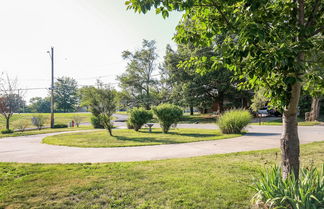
(29,149)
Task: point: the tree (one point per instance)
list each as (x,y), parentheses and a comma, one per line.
(66,94)
(262,41)
(198,89)
(102,103)
(314,84)
(9,100)
(40,105)
(138,81)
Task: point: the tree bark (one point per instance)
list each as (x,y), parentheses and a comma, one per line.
(8,123)
(315,108)
(191,110)
(221,104)
(289,139)
(110,132)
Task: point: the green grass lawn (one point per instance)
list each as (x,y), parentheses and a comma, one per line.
(215,181)
(126,137)
(59,118)
(45,131)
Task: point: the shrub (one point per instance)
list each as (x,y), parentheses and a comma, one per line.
(233,121)
(96,123)
(21,124)
(60,125)
(77,119)
(167,115)
(138,117)
(275,192)
(7,131)
(39,121)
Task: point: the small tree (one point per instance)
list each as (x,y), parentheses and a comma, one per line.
(39,121)
(139,116)
(167,115)
(102,101)
(9,100)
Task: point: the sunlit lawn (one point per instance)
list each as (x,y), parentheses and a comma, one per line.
(126,137)
(45,131)
(215,181)
(59,118)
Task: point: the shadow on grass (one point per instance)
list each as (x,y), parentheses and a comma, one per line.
(147,140)
(166,140)
(196,135)
(262,134)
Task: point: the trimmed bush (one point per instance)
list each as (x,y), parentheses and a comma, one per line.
(96,123)
(39,121)
(138,117)
(7,131)
(275,192)
(233,121)
(60,125)
(167,115)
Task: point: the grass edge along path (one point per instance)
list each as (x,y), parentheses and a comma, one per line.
(44,131)
(127,137)
(214,181)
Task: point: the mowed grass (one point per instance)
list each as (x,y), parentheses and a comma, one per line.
(215,181)
(44,131)
(126,137)
(59,118)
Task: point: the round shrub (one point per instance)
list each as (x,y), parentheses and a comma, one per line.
(167,115)
(7,131)
(138,117)
(233,121)
(60,125)
(96,123)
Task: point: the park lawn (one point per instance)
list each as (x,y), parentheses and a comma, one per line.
(214,181)
(58,117)
(44,131)
(127,137)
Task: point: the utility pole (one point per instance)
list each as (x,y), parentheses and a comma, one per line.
(51,53)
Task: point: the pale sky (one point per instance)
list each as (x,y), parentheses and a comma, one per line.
(88,37)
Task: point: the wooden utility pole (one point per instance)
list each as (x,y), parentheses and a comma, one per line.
(51,53)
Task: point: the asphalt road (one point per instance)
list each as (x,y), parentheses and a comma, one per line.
(29,149)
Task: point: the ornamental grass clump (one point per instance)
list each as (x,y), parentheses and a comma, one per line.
(138,117)
(275,192)
(167,115)
(233,121)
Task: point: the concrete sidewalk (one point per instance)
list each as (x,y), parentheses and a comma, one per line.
(29,149)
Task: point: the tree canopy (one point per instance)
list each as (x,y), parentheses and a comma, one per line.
(66,94)
(264,42)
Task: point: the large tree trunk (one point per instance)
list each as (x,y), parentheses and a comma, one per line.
(191,110)
(315,108)
(289,139)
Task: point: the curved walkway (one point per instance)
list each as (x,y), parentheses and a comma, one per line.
(29,149)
